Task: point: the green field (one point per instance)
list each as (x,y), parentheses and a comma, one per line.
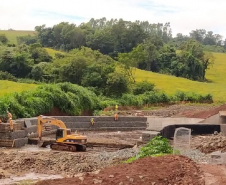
(12,35)
(7,87)
(170,84)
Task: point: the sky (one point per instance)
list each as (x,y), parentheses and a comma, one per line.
(183,15)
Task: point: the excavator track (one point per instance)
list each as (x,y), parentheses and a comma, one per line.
(66,147)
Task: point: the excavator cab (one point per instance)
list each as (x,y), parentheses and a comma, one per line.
(60,133)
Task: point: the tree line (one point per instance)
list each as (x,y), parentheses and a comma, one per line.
(94,50)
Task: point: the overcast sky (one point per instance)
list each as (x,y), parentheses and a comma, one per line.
(184,15)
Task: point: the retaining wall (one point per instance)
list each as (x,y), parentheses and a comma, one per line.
(101,123)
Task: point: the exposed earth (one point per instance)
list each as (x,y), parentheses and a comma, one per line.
(107,150)
(160,170)
(202,111)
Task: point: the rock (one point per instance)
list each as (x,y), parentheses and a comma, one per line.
(141,177)
(81,178)
(121,183)
(111,176)
(97,181)
(131,179)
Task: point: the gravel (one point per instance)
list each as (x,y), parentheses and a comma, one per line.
(196,156)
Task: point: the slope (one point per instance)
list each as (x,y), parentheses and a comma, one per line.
(7,87)
(170,84)
(12,35)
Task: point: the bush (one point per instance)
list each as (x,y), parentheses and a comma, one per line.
(142,87)
(7,76)
(69,98)
(158,146)
(131,100)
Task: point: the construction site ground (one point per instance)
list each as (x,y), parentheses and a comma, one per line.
(107,150)
(31,164)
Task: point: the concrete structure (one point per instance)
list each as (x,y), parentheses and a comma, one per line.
(157,124)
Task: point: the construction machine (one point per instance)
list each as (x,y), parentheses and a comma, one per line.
(65,140)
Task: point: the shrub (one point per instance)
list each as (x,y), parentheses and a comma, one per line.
(142,87)
(69,98)
(7,76)
(158,146)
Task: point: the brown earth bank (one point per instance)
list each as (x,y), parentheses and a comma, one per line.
(177,110)
(150,170)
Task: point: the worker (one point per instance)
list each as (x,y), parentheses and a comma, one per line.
(116,114)
(10,120)
(9,115)
(92,121)
(0,120)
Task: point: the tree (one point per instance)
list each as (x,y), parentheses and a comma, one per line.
(116,85)
(39,54)
(3,39)
(73,71)
(37,72)
(19,64)
(131,60)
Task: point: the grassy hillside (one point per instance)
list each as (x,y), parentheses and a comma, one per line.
(7,87)
(170,84)
(12,35)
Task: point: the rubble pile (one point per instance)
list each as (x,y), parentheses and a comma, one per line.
(65,163)
(209,143)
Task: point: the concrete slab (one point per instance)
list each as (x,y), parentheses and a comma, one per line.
(157,124)
(27,123)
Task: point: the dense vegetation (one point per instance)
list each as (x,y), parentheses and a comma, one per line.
(101,56)
(134,44)
(73,99)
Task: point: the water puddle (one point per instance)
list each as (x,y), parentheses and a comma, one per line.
(30,177)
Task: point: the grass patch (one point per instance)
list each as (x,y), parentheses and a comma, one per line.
(12,35)
(8,87)
(52,52)
(171,84)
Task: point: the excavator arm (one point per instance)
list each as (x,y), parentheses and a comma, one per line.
(43,119)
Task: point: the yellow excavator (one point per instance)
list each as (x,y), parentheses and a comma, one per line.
(65,140)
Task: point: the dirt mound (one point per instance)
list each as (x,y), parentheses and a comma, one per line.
(208,113)
(159,170)
(209,143)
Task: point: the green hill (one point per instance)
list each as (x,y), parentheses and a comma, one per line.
(7,87)
(12,35)
(170,84)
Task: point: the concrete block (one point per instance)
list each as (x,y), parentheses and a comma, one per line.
(13,135)
(148,135)
(31,129)
(20,142)
(18,134)
(223,129)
